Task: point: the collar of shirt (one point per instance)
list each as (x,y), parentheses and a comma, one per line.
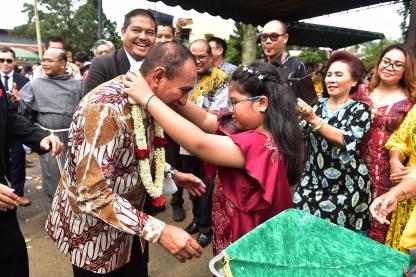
(10,74)
(132,60)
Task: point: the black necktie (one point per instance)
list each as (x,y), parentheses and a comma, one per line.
(6,83)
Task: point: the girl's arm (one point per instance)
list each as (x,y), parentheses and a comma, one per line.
(219,150)
(206,121)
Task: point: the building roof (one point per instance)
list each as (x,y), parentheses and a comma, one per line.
(314,35)
(259,12)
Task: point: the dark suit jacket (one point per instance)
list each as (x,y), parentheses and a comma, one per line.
(16,127)
(105,68)
(20,80)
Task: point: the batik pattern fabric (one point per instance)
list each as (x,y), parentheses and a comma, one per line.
(245,198)
(211,90)
(227,68)
(335,184)
(97,208)
(385,120)
(403,140)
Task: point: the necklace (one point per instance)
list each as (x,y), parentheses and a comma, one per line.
(142,151)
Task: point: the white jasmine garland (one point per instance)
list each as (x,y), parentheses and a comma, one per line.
(153,188)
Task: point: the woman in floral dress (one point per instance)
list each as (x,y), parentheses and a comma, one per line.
(335,184)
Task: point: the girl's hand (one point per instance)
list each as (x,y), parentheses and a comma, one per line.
(305,111)
(383,205)
(136,87)
(397,177)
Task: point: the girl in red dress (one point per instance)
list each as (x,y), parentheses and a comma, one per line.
(255,143)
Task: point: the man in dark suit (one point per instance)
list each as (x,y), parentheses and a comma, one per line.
(13,82)
(13,253)
(138,35)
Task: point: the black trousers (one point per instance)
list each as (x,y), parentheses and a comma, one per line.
(13,254)
(136,267)
(17,167)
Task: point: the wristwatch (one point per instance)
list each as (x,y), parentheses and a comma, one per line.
(169,170)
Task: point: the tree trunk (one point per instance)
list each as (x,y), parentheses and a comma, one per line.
(249,44)
(411,33)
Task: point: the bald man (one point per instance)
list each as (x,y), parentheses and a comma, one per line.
(51,102)
(273,41)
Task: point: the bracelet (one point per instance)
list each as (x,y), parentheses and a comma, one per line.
(148,100)
(321,122)
(401,189)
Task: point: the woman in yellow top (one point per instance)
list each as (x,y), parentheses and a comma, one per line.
(402,146)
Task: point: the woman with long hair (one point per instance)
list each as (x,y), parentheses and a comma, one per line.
(335,184)
(390,94)
(256,146)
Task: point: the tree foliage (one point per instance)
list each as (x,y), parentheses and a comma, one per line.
(313,55)
(78,28)
(404,11)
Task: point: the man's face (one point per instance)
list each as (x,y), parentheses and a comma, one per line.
(139,37)
(275,41)
(175,91)
(7,62)
(52,64)
(102,50)
(164,33)
(203,59)
(216,51)
(55,44)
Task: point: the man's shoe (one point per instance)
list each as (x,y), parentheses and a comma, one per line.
(204,239)
(23,201)
(192,228)
(178,213)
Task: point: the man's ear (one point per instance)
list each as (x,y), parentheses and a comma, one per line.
(157,75)
(263,104)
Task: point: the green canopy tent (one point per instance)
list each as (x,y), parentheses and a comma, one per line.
(25,56)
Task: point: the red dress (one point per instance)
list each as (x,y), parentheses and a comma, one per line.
(245,198)
(386,120)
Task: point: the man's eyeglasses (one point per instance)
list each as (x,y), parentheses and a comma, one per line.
(395,66)
(48,61)
(272,36)
(9,61)
(231,104)
(201,58)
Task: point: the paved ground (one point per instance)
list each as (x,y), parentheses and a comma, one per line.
(46,261)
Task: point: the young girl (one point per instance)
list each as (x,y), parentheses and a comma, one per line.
(257,148)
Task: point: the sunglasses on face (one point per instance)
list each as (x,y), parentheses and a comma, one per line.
(6,60)
(272,36)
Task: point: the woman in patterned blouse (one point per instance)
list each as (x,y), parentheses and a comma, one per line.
(335,184)
(390,95)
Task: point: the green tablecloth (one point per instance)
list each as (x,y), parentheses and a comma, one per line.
(296,243)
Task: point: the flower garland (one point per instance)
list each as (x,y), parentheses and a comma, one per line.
(142,151)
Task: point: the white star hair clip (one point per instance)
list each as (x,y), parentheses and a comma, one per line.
(261,77)
(245,68)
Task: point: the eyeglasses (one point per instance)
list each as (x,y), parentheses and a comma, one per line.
(201,58)
(272,36)
(395,66)
(9,61)
(48,61)
(231,104)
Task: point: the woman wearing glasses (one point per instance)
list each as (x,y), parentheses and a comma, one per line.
(335,184)
(389,94)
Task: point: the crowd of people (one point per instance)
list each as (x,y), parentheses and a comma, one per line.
(242,140)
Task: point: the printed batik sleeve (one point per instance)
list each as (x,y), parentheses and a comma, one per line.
(98,146)
(357,123)
(400,139)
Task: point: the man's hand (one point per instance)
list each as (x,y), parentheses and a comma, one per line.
(190,182)
(8,199)
(179,243)
(53,143)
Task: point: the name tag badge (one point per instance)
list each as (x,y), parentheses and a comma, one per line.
(200,101)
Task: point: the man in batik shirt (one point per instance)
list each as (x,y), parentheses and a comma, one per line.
(97,215)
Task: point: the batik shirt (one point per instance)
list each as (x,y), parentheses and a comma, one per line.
(335,184)
(211,90)
(97,208)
